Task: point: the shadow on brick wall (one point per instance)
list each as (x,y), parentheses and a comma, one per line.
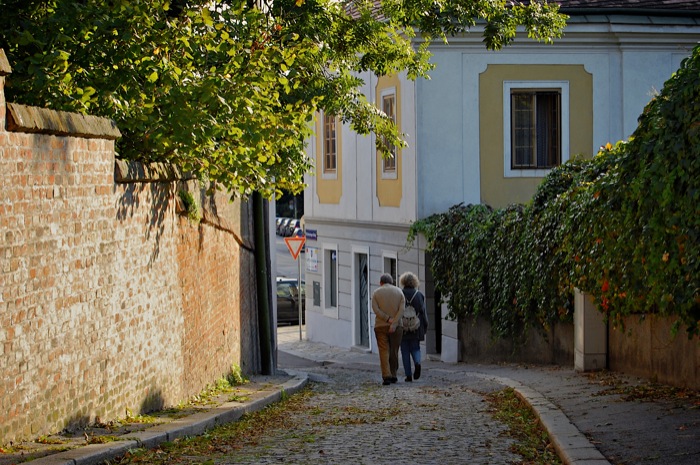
(161,193)
(153,402)
(76,424)
(157,197)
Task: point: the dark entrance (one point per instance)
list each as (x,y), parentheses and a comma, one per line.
(363,298)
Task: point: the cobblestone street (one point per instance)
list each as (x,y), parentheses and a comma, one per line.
(442,418)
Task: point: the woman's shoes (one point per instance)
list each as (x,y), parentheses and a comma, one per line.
(416,373)
(408,379)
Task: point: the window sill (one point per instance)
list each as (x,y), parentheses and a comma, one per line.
(537,173)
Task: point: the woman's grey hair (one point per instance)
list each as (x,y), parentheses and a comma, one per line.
(408,279)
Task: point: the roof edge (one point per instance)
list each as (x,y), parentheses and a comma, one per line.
(630,11)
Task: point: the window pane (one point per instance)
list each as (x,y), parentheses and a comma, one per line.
(390,268)
(548,129)
(535,129)
(389,107)
(523,129)
(329,143)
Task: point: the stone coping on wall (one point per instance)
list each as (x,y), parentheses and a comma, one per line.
(25,118)
(126,171)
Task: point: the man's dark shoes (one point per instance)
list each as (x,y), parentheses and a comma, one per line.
(408,379)
(416,373)
(386,382)
(394,380)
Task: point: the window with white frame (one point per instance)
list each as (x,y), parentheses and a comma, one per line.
(388,104)
(536,121)
(390,267)
(330,149)
(330,272)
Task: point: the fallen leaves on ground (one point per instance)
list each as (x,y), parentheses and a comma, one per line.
(643,391)
(532,440)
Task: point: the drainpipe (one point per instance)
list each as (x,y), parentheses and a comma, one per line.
(262,271)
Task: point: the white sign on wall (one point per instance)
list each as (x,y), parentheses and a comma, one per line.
(312,259)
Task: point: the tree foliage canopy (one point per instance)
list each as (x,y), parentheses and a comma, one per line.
(227,90)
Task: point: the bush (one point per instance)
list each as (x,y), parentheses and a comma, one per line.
(489,262)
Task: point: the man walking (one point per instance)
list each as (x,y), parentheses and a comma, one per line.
(387,303)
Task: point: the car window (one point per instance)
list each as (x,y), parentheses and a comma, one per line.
(289,289)
(285,290)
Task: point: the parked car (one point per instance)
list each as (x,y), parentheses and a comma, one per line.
(282,224)
(290,227)
(288,302)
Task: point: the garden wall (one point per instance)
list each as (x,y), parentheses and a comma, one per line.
(647,348)
(477,346)
(110,298)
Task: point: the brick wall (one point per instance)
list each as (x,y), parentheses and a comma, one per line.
(109,298)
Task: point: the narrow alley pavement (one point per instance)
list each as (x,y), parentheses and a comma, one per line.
(353,419)
(592,418)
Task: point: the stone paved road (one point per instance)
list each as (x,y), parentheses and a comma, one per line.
(352,419)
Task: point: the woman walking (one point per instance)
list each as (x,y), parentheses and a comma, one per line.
(410,341)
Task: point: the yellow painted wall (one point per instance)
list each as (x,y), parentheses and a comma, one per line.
(389,190)
(329,190)
(497,190)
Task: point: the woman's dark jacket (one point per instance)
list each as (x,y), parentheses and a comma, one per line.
(418,303)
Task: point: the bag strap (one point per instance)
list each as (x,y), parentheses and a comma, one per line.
(412,297)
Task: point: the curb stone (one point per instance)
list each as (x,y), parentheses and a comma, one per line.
(573,448)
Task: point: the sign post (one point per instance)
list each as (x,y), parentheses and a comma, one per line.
(295,244)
